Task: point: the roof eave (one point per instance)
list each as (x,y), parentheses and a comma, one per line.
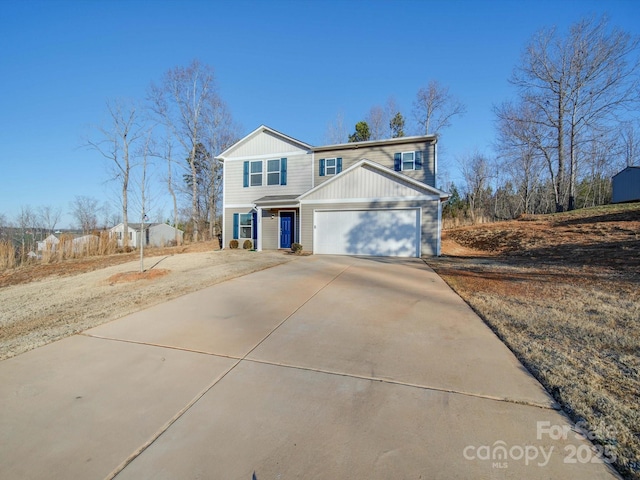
(373,143)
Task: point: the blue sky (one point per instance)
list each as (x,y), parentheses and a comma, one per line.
(292,65)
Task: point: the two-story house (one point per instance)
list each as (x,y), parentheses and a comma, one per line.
(365,198)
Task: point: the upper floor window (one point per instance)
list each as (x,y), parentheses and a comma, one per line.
(273,172)
(276,172)
(330,166)
(407,161)
(256,173)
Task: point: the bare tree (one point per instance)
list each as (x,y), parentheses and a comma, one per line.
(220,133)
(434,108)
(337,131)
(85,211)
(630,144)
(116,144)
(523,151)
(476,171)
(580,83)
(187,104)
(145,153)
(378,122)
(49,217)
(168,156)
(25,221)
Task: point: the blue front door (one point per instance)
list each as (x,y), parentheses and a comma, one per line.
(286,229)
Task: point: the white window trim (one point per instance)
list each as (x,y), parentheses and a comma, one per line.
(413,167)
(261,173)
(326,167)
(241,226)
(279,172)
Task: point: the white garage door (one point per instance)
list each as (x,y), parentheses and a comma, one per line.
(384,233)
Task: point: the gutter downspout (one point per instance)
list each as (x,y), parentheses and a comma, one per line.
(224,206)
(439,243)
(435,166)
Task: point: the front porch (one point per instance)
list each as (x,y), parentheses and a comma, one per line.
(278,222)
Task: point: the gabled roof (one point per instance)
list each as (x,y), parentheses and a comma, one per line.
(258,131)
(387,171)
(628,168)
(375,143)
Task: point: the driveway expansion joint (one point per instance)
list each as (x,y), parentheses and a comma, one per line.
(553,406)
(193,401)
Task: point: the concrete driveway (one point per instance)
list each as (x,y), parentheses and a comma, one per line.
(325,367)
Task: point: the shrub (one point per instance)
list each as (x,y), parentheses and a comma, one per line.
(233,243)
(296,248)
(247,245)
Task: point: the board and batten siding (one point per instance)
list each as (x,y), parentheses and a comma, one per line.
(365,182)
(429,219)
(298,179)
(265,142)
(383,155)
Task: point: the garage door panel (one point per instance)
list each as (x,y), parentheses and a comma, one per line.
(394,232)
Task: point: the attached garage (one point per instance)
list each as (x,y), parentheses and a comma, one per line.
(371,210)
(375,232)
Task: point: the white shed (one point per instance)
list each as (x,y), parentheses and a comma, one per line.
(48,243)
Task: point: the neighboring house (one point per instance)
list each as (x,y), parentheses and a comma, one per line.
(85,243)
(156,234)
(626,185)
(48,243)
(366,198)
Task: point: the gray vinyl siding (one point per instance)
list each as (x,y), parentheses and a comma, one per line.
(429,233)
(298,180)
(626,185)
(228,224)
(269,230)
(262,144)
(366,182)
(383,155)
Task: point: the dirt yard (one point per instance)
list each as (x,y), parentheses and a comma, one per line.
(43,303)
(563,292)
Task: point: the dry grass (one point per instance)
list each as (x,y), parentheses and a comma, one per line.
(57,267)
(45,309)
(563,292)
(7,255)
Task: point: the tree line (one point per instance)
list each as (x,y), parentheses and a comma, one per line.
(572,125)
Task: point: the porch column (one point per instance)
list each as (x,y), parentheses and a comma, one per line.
(259,227)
